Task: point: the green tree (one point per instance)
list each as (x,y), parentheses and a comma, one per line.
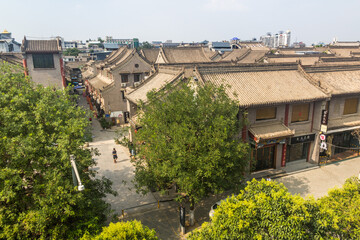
(266,210)
(132,230)
(343,203)
(71,52)
(39,129)
(100,40)
(189,138)
(147,45)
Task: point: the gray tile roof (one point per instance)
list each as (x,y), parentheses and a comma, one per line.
(157,81)
(344,121)
(99,82)
(122,58)
(263,84)
(235,54)
(185,55)
(113,57)
(150,54)
(13,58)
(303,60)
(337,79)
(254,56)
(41,46)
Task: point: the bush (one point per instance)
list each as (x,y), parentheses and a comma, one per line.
(132,230)
(266,210)
(120,136)
(104,123)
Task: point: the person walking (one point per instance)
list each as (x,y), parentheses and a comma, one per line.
(114,153)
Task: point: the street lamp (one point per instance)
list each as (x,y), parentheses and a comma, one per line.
(75,171)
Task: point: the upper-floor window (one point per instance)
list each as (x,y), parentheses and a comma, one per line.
(124,78)
(351,105)
(300,112)
(43,60)
(136,77)
(265,113)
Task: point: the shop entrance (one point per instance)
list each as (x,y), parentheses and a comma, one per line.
(297,152)
(264,158)
(342,140)
(343,145)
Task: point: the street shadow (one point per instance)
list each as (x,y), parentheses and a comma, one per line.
(164,220)
(127,197)
(296,185)
(124,160)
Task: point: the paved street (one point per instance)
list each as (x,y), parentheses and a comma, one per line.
(318,181)
(120,173)
(165,220)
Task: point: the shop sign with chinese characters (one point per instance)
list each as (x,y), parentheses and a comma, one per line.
(324,120)
(303,139)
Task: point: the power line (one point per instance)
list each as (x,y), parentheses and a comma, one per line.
(358,148)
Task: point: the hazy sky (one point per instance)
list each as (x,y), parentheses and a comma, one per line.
(187,20)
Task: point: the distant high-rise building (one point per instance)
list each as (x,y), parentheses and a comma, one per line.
(281,39)
(131,43)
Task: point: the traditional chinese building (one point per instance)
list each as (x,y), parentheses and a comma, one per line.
(282,110)
(43,62)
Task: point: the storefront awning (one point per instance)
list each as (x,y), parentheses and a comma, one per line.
(270,130)
(343,124)
(342,129)
(117,114)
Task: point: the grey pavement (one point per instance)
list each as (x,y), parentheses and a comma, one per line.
(318,181)
(120,173)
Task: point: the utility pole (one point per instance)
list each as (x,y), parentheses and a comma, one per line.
(74,168)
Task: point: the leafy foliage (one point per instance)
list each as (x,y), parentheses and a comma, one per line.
(39,129)
(147,45)
(132,230)
(104,123)
(343,203)
(71,52)
(266,210)
(189,138)
(121,136)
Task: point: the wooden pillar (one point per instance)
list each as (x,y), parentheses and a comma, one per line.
(243,133)
(286,120)
(25,67)
(62,72)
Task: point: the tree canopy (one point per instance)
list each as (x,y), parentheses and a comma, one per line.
(71,52)
(146,45)
(266,210)
(39,129)
(132,230)
(189,138)
(343,204)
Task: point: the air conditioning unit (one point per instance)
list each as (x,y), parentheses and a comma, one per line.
(136,84)
(123,85)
